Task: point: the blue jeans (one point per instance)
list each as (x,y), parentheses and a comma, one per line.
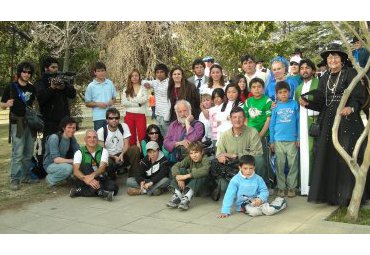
(58,173)
(22,151)
(99,123)
(163,183)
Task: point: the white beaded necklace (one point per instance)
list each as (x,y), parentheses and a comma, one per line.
(332,89)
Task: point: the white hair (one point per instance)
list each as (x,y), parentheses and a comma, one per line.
(184,102)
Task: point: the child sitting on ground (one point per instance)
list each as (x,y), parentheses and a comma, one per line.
(250,192)
(189,176)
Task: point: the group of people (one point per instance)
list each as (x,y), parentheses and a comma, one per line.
(258,117)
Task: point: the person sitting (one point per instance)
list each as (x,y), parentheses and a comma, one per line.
(189,177)
(182,132)
(152,177)
(89,166)
(249,192)
(115,138)
(59,151)
(153,133)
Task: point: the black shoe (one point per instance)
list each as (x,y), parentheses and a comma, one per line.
(75,192)
(107,195)
(216,193)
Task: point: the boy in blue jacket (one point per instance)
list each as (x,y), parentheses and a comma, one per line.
(250,192)
(284,139)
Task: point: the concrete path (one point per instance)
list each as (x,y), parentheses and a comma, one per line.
(143,214)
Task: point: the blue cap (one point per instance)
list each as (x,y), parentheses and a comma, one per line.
(208,59)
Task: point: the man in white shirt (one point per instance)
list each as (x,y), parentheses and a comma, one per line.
(249,68)
(114,137)
(89,166)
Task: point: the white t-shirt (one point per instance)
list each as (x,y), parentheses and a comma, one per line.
(77,159)
(114,142)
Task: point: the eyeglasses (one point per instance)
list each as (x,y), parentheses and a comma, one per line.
(153,133)
(113,118)
(293,63)
(29,72)
(333,57)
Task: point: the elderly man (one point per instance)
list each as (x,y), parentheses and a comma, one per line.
(89,166)
(238,141)
(182,131)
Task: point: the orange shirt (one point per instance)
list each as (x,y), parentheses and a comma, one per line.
(151,100)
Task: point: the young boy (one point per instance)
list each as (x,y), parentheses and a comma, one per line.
(258,112)
(250,192)
(245,186)
(284,138)
(189,176)
(100,95)
(163,105)
(206,103)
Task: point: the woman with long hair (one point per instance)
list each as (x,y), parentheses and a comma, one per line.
(216,80)
(180,88)
(153,134)
(134,99)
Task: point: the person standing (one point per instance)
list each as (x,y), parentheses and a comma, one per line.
(17,96)
(307,70)
(52,96)
(100,95)
(199,79)
(360,53)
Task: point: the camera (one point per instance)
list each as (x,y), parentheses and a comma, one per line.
(62,78)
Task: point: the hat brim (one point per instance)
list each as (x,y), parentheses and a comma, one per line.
(325,54)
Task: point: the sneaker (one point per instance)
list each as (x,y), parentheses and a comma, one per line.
(107,195)
(133,191)
(30,181)
(174,202)
(14,185)
(281,193)
(291,193)
(184,204)
(75,192)
(276,206)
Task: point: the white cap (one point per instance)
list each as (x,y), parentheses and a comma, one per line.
(152,145)
(296,59)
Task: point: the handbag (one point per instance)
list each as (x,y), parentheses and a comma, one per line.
(32,117)
(314,129)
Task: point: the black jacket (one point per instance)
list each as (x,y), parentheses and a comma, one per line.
(153,171)
(53,102)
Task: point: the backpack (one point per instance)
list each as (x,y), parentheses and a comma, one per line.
(105,130)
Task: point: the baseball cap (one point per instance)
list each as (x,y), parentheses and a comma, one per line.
(152,146)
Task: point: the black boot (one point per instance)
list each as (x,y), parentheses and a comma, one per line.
(107,195)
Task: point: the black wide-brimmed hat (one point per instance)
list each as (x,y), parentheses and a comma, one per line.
(355,39)
(334,48)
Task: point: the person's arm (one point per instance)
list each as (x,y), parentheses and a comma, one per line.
(263,192)
(53,142)
(265,127)
(195,133)
(272,129)
(164,169)
(44,93)
(169,140)
(202,171)
(70,91)
(185,163)
(255,144)
(103,164)
(6,101)
(229,197)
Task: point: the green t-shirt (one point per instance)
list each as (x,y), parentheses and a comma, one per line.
(257,111)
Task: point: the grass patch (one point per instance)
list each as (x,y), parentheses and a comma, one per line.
(339,215)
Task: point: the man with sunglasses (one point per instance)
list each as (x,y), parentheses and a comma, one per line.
(16,96)
(52,97)
(115,138)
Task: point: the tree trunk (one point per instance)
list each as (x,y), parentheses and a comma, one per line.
(358,190)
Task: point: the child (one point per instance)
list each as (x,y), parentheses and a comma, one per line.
(218,96)
(206,103)
(250,192)
(242,83)
(232,92)
(284,138)
(258,112)
(189,176)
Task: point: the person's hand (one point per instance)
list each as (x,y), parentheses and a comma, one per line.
(120,158)
(10,103)
(272,147)
(148,185)
(184,143)
(101,105)
(302,102)
(256,202)
(222,159)
(110,103)
(189,119)
(223,215)
(181,185)
(88,178)
(147,85)
(273,105)
(181,177)
(95,184)
(346,111)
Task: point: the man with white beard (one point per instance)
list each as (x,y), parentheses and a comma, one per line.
(182,131)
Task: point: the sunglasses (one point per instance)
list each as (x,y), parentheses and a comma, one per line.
(113,118)
(153,133)
(293,63)
(29,72)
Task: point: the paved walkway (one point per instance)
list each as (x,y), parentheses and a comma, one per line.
(143,214)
